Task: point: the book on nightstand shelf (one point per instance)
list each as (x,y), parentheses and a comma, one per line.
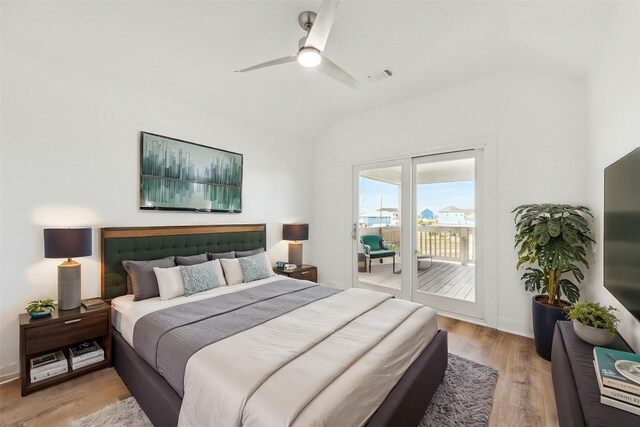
(84,354)
(47,365)
(86,362)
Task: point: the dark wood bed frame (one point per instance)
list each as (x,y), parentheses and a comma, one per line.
(404,406)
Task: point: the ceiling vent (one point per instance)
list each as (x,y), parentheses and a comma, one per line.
(382,75)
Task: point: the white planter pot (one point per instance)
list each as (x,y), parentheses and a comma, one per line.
(594,336)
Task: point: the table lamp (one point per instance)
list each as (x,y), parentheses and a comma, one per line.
(68,243)
(295,232)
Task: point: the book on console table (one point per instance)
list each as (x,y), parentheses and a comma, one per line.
(618,369)
(617,398)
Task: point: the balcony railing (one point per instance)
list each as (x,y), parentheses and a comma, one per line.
(450,243)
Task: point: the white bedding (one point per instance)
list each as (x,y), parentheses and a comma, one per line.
(129,311)
(331,362)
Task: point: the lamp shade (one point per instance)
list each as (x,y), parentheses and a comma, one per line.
(67,242)
(295,231)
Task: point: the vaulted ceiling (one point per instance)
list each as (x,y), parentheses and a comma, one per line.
(187,51)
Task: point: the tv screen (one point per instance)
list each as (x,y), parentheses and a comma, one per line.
(622,231)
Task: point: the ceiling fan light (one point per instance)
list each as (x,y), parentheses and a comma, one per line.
(309,57)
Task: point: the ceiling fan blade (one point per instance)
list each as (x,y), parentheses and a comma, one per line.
(335,72)
(322,25)
(278,61)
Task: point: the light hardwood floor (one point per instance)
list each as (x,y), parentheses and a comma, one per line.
(523,396)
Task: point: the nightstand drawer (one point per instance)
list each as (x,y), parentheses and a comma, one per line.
(311,274)
(60,334)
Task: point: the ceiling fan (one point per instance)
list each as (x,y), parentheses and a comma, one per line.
(311,46)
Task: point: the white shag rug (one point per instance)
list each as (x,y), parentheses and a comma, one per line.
(463,399)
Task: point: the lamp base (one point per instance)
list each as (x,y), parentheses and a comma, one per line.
(295,253)
(68,285)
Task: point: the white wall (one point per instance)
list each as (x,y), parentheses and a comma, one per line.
(539,123)
(614,130)
(70,157)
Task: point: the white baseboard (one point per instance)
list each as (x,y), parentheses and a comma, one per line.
(515,327)
(468,319)
(9,377)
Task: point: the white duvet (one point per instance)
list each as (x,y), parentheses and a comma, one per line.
(329,363)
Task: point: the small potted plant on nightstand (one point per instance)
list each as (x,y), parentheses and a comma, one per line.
(40,308)
(593,323)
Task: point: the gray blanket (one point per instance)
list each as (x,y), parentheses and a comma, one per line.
(167,338)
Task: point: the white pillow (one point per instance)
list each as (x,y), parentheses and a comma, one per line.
(218,267)
(170,282)
(232,270)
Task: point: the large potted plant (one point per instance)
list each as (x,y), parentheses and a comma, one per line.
(552,239)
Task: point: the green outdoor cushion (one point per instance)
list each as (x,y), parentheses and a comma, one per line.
(381,254)
(374,242)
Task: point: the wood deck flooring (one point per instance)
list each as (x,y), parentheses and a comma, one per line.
(442,278)
(523,396)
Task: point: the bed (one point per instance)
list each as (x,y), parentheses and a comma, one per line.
(328,357)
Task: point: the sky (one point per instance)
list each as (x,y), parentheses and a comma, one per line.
(431,196)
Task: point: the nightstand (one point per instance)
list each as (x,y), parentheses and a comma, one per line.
(60,331)
(306,272)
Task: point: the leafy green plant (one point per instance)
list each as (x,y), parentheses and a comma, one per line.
(594,314)
(555,237)
(40,306)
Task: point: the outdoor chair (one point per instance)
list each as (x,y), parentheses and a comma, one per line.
(375,248)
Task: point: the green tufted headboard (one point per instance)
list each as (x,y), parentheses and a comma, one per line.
(144,243)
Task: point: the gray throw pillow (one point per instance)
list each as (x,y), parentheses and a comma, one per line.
(191,260)
(199,277)
(241,254)
(219,255)
(143,279)
(255,267)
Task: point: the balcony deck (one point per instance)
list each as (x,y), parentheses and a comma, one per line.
(448,279)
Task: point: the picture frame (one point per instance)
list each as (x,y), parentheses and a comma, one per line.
(177,175)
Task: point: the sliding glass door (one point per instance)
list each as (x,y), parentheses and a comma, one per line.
(446,205)
(416,225)
(377,226)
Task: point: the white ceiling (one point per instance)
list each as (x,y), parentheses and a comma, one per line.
(187,51)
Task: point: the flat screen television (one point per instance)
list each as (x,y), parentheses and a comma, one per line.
(622,231)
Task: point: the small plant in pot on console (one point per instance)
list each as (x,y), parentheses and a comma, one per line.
(553,240)
(593,323)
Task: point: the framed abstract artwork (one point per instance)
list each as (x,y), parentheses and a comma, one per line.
(182,176)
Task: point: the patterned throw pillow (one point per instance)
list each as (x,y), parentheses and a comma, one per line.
(256,267)
(200,277)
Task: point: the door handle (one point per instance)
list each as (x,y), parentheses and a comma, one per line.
(353,231)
